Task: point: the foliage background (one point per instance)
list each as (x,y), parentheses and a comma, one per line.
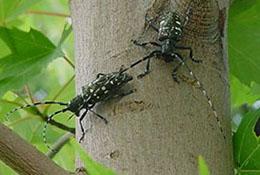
(46,84)
(51,76)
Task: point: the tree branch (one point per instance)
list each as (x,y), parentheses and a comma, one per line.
(59,144)
(24,158)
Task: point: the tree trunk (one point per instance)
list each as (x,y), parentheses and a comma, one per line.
(163,127)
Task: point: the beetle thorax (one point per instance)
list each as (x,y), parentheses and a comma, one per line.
(170,27)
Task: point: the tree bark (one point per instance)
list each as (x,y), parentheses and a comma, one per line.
(24,158)
(164,126)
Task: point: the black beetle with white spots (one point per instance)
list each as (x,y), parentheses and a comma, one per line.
(108,86)
(104,87)
(170,32)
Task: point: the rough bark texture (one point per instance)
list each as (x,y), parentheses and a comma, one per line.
(24,158)
(164,126)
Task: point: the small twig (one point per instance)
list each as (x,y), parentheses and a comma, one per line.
(61,126)
(59,144)
(57,124)
(69,61)
(59,92)
(38,12)
(52,122)
(29,93)
(43,117)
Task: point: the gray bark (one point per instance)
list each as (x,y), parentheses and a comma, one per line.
(164,126)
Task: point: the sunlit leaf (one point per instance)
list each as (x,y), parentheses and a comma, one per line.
(203,168)
(241,94)
(31,53)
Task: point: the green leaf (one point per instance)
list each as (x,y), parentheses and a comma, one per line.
(247,145)
(31,53)
(203,168)
(242,94)
(10,9)
(241,6)
(92,167)
(244,40)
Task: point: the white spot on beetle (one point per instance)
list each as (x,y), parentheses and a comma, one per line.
(177,28)
(210,104)
(162,22)
(178,22)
